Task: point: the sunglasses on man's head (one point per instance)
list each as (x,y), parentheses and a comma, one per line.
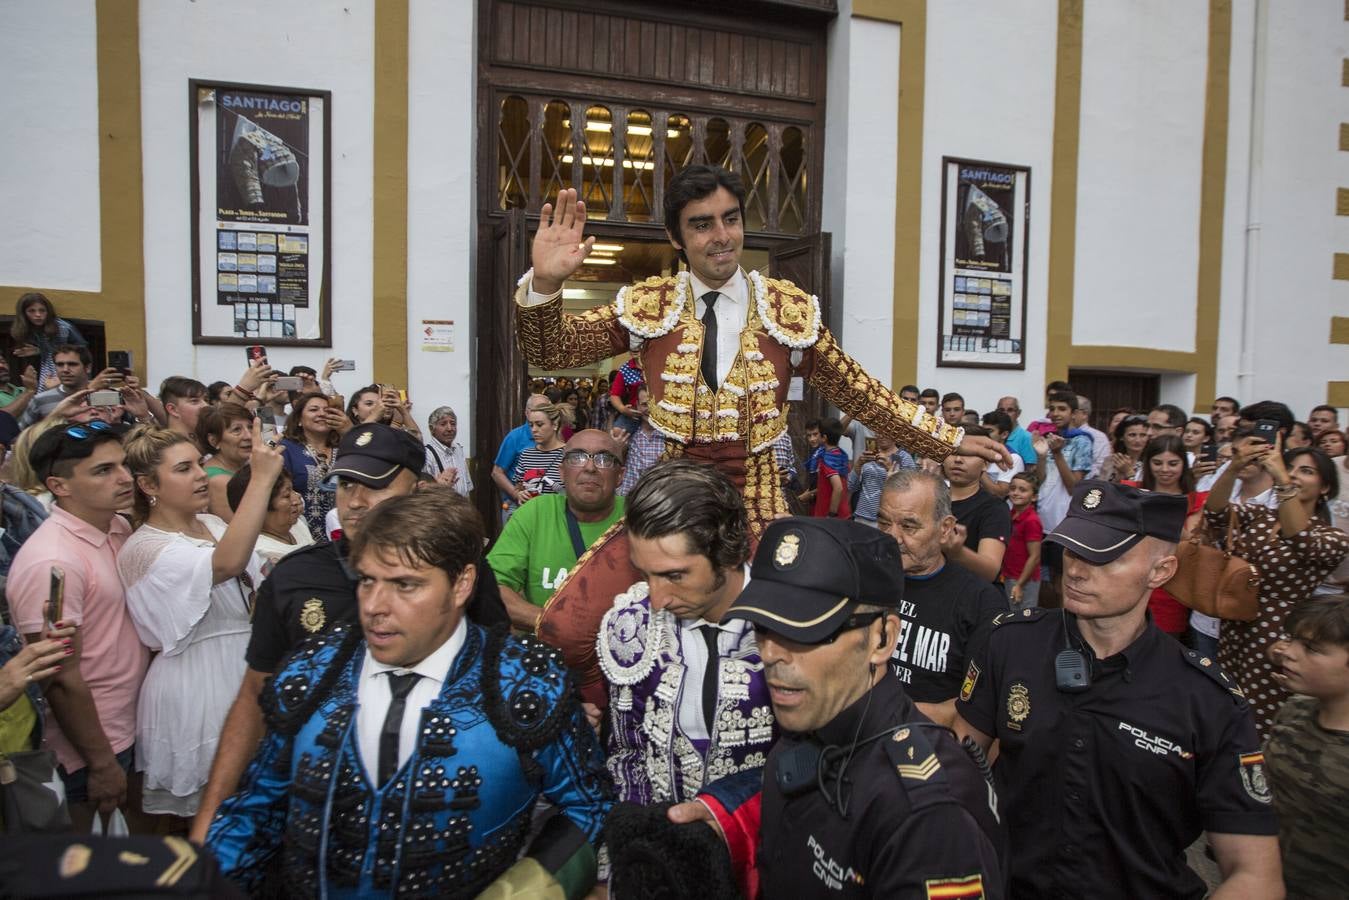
(87,430)
(78,433)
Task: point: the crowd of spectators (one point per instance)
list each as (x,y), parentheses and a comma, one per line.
(169,512)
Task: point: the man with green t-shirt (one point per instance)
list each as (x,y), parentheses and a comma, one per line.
(546,536)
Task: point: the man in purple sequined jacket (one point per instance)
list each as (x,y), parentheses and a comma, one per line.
(687,699)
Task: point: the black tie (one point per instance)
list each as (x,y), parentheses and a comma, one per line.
(709,321)
(710,677)
(399,686)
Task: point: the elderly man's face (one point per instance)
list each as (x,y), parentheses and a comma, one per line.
(908,517)
(590,488)
(446,429)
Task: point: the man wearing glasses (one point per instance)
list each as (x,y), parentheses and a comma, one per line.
(863,795)
(545,537)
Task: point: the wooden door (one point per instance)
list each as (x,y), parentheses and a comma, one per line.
(1109,391)
(499,364)
(805,263)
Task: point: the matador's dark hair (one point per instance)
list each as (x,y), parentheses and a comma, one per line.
(693,499)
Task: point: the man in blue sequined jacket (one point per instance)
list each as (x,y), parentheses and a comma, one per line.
(405,758)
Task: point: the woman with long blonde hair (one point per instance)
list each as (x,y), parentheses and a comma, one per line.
(190,582)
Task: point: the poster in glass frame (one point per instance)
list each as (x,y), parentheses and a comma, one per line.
(981,290)
(261,187)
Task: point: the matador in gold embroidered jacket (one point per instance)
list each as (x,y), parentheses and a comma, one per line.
(735,426)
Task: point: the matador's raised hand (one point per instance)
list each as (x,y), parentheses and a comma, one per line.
(987,449)
(560,245)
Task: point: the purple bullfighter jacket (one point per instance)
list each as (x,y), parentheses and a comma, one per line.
(650,758)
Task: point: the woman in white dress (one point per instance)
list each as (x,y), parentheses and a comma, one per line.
(189,582)
(283,530)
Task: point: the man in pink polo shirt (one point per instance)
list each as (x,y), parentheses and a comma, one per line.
(93,697)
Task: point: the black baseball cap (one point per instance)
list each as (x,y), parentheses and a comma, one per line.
(1106,520)
(373,454)
(810,574)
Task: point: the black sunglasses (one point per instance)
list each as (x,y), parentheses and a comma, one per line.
(852,623)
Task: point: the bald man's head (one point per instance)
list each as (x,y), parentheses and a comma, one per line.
(591,485)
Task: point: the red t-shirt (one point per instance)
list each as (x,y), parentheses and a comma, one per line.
(624,391)
(1168,613)
(824,492)
(1026,529)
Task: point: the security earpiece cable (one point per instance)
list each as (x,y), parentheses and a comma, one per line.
(838,800)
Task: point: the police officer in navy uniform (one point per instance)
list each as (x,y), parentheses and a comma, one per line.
(862,796)
(1118,747)
(313,590)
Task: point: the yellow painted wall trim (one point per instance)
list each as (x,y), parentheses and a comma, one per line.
(1212,203)
(1063,190)
(390,216)
(120,303)
(1340,271)
(1339,329)
(911,16)
(1096,356)
(895,11)
(1337,393)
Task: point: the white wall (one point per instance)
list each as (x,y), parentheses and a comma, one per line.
(859,187)
(1140,158)
(1293,295)
(49,235)
(320,46)
(441,202)
(990,96)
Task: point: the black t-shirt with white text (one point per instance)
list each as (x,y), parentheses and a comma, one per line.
(939,615)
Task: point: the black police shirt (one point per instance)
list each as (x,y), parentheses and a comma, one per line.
(938,615)
(1103,790)
(921,818)
(312,589)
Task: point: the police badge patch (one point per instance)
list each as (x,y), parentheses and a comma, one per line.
(1018,705)
(1252,768)
(787,550)
(312,616)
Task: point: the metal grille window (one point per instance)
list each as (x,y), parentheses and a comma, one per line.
(625,161)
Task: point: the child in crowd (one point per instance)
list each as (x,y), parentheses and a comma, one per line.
(829,464)
(1307,753)
(1021,563)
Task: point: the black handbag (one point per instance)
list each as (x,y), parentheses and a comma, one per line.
(32,798)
